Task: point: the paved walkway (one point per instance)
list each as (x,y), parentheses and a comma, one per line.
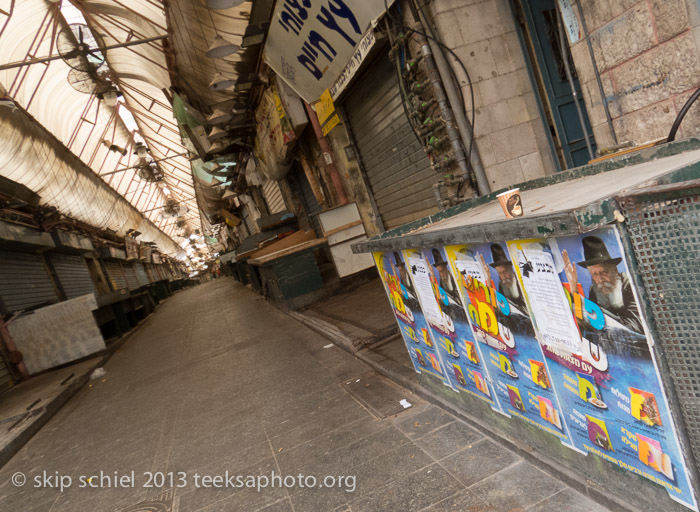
(217,380)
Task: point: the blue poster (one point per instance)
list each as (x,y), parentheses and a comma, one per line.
(444,313)
(585,312)
(501,324)
(412,324)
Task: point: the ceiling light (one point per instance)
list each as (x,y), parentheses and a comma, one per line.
(217,5)
(245,83)
(218,117)
(220,82)
(221,48)
(110,95)
(254,35)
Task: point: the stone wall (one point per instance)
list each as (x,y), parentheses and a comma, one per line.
(510,135)
(648,59)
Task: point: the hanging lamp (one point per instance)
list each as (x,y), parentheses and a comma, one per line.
(218,5)
(218,117)
(217,134)
(221,48)
(221,82)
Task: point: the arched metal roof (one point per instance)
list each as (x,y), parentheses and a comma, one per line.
(85,124)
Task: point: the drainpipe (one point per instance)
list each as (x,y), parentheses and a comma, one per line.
(603,97)
(563,43)
(465,129)
(445,110)
(327,156)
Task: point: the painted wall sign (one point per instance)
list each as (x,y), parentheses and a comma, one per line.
(445,314)
(409,316)
(605,376)
(310,43)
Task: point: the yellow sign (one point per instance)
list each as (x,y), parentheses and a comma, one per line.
(332,122)
(325,110)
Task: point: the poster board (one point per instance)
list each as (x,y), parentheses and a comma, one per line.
(409,316)
(446,317)
(501,324)
(560,341)
(599,352)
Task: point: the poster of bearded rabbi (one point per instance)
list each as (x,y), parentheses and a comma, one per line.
(501,323)
(587,318)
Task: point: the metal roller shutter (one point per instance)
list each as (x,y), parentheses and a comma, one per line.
(73,273)
(150,273)
(273,196)
(141,274)
(132,281)
(24,281)
(397,168)
(5,376)
(115,272)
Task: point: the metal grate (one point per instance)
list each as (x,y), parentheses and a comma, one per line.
(73,274)
(664,226)
(24,281)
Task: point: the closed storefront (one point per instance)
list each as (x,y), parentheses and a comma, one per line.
(132,281)
(6,380)
(152,276)
(115,274)
(73,274)
(24,281)
(397,168)
(141,274)
(302,189)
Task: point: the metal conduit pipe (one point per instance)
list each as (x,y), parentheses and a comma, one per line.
(563,44)
(603,97)
(463,125)
(445,109)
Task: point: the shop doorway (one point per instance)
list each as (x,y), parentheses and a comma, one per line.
(541,28)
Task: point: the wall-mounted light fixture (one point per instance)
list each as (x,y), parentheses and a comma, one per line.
(218,117)
(217,134)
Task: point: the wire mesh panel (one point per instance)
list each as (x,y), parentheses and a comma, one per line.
(664,227)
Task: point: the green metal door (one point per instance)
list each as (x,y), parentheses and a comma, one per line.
(542,20)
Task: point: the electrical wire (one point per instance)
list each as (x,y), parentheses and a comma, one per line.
(456,57)
(402,92)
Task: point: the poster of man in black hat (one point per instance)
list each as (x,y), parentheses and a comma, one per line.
(610,287)
(444,279)
(508,282)
(403,274)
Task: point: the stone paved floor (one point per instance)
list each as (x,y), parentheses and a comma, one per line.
(217,380)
